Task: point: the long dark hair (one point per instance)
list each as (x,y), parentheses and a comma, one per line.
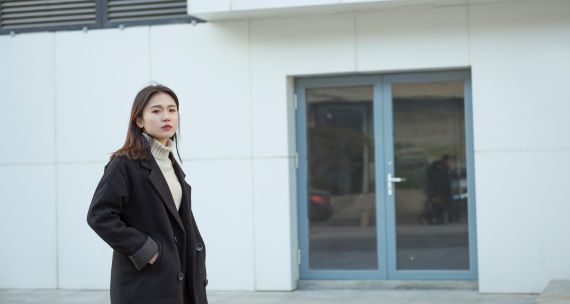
(136,145)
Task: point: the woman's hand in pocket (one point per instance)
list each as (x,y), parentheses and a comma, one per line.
(153,259)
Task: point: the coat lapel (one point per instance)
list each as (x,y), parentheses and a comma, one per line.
(187,217)
(159,184)
(181,178)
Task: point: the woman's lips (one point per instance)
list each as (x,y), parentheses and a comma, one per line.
(167,128)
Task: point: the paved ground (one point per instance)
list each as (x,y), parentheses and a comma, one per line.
(26,296)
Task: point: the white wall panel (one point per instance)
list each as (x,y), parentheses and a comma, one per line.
(27,98)
(519,54)
(222,206)
(208,6)
(207,65)
(267,4)
(520,242)
(84,258)
(275,243)
(28,226)
(98,74)
(412,39)
(284,47)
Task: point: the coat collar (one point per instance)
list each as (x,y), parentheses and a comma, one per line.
(159,184)
(179,172)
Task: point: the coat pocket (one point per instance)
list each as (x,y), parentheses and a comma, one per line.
(160,244)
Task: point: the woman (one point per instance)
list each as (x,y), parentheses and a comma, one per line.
(141,208)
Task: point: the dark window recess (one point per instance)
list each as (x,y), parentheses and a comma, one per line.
(22,14)
(51,15)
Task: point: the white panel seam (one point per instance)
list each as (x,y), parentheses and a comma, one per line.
(55,163)
(149,36)
(104,161)
(44,163)
(251,132)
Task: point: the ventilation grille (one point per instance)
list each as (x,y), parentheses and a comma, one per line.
(21,14)
(137,10)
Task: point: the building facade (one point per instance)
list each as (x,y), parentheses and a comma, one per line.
(361,140)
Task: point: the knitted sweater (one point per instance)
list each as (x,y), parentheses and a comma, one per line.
(161,153)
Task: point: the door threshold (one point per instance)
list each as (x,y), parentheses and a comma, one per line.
(388,284)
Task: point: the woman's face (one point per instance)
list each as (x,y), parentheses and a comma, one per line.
(160,117)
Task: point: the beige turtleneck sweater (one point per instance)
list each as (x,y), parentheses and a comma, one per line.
(161,153)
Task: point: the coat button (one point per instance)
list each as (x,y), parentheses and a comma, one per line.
(205,282)
(175,239)
(199,247)
(180,276)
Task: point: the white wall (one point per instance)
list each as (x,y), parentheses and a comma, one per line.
(520,57)
(234,83)
(208,67)
(97,75)
(27,170)
(243,9)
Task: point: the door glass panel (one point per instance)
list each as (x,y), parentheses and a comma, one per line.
(341,190)
(429,149)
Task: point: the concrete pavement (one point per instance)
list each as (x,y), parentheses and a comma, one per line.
(327,296)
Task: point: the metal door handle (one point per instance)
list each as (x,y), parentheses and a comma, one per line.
(390,180)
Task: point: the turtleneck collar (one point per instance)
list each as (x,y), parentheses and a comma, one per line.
(158,150)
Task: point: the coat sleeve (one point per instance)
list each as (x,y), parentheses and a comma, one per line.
(104,216)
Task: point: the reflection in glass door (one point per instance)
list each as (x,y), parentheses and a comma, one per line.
(431,212)
(341,195)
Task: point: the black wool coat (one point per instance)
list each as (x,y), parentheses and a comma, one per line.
(134,212)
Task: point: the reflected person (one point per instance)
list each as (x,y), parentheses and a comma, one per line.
(438,191)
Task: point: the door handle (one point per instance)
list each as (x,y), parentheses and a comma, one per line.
(390,180)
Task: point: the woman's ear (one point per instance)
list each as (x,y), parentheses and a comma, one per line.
(139,122)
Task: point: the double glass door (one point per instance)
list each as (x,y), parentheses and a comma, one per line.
(385,177)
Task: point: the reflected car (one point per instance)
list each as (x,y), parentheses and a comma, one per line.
(320,208)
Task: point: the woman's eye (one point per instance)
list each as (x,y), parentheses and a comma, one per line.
(155,111)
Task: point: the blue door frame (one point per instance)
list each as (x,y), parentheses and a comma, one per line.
(384,155)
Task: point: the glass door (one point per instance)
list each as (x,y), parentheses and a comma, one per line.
(342,225)
(385,177)
(429,175)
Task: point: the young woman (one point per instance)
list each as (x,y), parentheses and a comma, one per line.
(141,208)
